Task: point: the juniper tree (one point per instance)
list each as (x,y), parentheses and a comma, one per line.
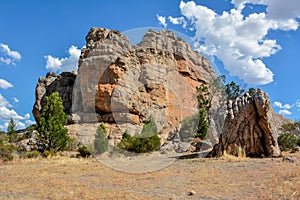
(52,135)
(101,141)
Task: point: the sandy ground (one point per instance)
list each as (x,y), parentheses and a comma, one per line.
(78,178)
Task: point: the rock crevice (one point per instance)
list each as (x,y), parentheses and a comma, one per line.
(249,128)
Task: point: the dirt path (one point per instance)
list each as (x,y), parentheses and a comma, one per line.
(73,178)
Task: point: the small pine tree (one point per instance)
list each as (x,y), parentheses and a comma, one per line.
(11,128)
(11,131)
(52,135)
(233,90)
(101,140)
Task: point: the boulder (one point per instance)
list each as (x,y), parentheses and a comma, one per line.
(63,84)
(250,126)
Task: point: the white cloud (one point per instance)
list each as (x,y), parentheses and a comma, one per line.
(179,20)
(20,125)
(8,56)
(27,116)
(7,112)
(4,102)
(69,63)
(240,42)
(162,20)
(281,106)
(285,112)
(276,9)
(16,100)
(285,108)
(29,122)
(5,84)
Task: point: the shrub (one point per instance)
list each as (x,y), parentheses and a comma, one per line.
(52,135)
(49,153)
(6,151)
(195,126)
(287,141)
(72,144)
(101,140)
(32,154)
(146,141)
(85,152)
(189,127)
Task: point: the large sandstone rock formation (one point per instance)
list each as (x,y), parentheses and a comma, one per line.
(123,84)
(250,126)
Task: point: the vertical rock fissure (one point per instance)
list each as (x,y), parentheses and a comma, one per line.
(262,137)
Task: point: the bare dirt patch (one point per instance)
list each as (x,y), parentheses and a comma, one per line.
(73,178)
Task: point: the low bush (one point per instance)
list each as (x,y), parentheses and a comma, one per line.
(287,141)
(6,151)
(85,151)
(32,154)
(146,141)
(48,153)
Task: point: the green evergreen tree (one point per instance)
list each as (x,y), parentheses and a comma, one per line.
(11,128)
(11,131)
(101,140)
(52,135)
(233,90)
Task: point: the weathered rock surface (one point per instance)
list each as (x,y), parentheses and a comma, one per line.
(250,126)
(124,84)
(62,83)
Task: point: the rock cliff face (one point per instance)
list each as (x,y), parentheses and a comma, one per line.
(250,126)
(123,84)
(62,83)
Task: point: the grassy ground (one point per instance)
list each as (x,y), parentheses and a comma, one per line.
(227,178)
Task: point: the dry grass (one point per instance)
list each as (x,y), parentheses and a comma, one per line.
(225,178)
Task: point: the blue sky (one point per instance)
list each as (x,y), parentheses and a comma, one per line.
(256,42)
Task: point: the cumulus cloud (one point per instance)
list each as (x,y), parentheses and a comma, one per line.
(4,102)
(7,55)
(29,122)
(7,112)
(285,106)
(284,109)
(240,42)
(285,112)
(16,100)
(162,20)
(5,84)
(69,63)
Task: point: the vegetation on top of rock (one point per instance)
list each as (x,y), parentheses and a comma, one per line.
(146,141)
(233,90)
(52,135)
